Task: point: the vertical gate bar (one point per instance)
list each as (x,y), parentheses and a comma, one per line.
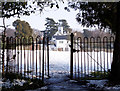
(71,61)
(28,57)
(48,54)
(12,68)
(81,58)
(78,55)
(97,56)
(21,57)
(1,55)
(98,64)
(84,57)
(24,56)
(91,50)
(75,63)
(107,53)
(110,49)
(94,55)
(104,54)
(43,59)
(18,44)
(10,43)
(7,43)
(100,55)
(36,55)
(15,55)
(32,57)
(40,58)
(75,58)
(11,51)
(88,57)
(74,71)
(3,52)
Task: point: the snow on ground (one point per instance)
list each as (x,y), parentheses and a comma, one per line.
(9,84)
(59,62)
(101,85)
(60,65)
(88,61)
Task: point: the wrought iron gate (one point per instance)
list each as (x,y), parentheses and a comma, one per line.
(26,56)
(91,58)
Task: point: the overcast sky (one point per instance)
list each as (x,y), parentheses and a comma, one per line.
(37,20)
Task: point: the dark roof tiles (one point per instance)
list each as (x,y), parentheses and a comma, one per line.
(60,37)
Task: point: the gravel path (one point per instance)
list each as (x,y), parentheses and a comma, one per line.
(61,82)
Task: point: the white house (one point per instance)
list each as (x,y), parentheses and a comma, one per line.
(60,40)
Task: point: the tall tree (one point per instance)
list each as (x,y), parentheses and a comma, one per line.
(51,27)
(9,8)
(104,15)
(22,28)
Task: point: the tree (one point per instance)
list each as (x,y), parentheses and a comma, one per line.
(98,33)
(51,27)
(22,29)
(105,15)
(22,7)
(10,8)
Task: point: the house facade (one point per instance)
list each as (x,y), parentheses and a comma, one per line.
(60,40)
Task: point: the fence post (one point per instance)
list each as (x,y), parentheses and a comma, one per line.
(71,57)
(32,56)
(43,59)
(48,54)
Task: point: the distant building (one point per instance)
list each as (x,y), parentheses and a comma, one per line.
(60,40)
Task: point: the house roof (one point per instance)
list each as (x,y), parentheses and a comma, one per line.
(61,37)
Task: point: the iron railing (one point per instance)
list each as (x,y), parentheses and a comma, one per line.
(27,56)
(92,57)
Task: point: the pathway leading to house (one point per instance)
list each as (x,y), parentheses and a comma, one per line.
(59,71)
(61,82)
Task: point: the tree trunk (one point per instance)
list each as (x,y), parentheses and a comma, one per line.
(115,67)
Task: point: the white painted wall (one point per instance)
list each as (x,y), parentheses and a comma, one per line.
(62,44)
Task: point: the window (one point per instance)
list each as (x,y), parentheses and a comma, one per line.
(66,49)
(60,41)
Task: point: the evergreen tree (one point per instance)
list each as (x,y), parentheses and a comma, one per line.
(51,27)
